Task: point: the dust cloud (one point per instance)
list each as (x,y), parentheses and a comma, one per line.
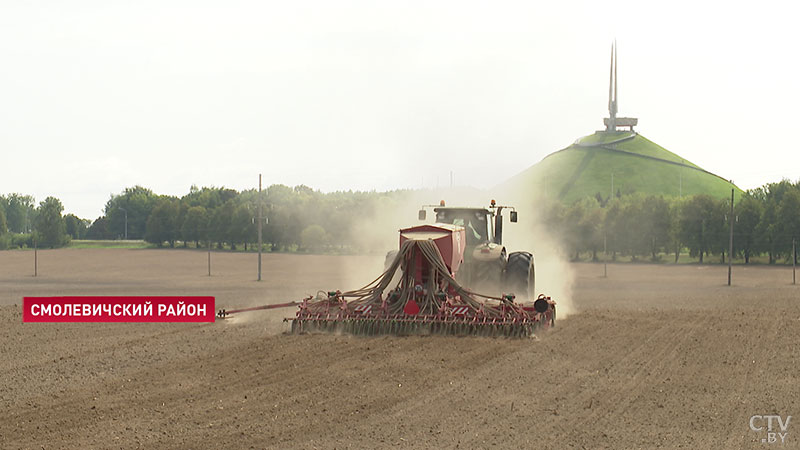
(555,277)
(270,320)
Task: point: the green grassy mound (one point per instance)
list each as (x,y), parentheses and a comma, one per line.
(638,165)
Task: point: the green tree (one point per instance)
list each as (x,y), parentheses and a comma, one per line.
(674,234)
(220,224)
(137,202)
(195,225)
(19,212)
(748,211)
(162,222)
(76,227)
(657,213)
(242,225)
(633,224)
(3,226)
(700,225)
(99,229)
(612,226)
(768,229)
(583,224)
(281,230)
(50,226)
(314,238)
(788,225)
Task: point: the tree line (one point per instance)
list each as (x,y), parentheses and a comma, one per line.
(766,220)
(25,224)
(293,218)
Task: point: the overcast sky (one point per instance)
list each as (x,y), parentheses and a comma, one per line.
(96,96)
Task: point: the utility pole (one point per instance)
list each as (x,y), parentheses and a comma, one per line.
(209,256)
(730,242)
(35,258)
(259,227)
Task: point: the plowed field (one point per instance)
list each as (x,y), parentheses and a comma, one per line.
(654,356)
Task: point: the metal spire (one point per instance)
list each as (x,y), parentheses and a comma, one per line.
(613,122)
(612,89)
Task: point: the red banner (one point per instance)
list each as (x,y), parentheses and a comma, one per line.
(118,309)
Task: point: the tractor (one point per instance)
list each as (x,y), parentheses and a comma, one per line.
(453,277)
(487,265)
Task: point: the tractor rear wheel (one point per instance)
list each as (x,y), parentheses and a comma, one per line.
(520,276)
(488,276)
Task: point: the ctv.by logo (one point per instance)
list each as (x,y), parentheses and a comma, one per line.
(772,423)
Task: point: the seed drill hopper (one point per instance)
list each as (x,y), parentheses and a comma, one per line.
(424,299)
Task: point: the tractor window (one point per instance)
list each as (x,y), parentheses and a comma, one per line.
(475,223)
(477,227)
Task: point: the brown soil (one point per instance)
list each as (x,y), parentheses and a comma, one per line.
(657,356)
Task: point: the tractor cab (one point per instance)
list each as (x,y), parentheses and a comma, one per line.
(482,225)
(474,221)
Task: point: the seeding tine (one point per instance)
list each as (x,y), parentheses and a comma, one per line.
(414,327)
